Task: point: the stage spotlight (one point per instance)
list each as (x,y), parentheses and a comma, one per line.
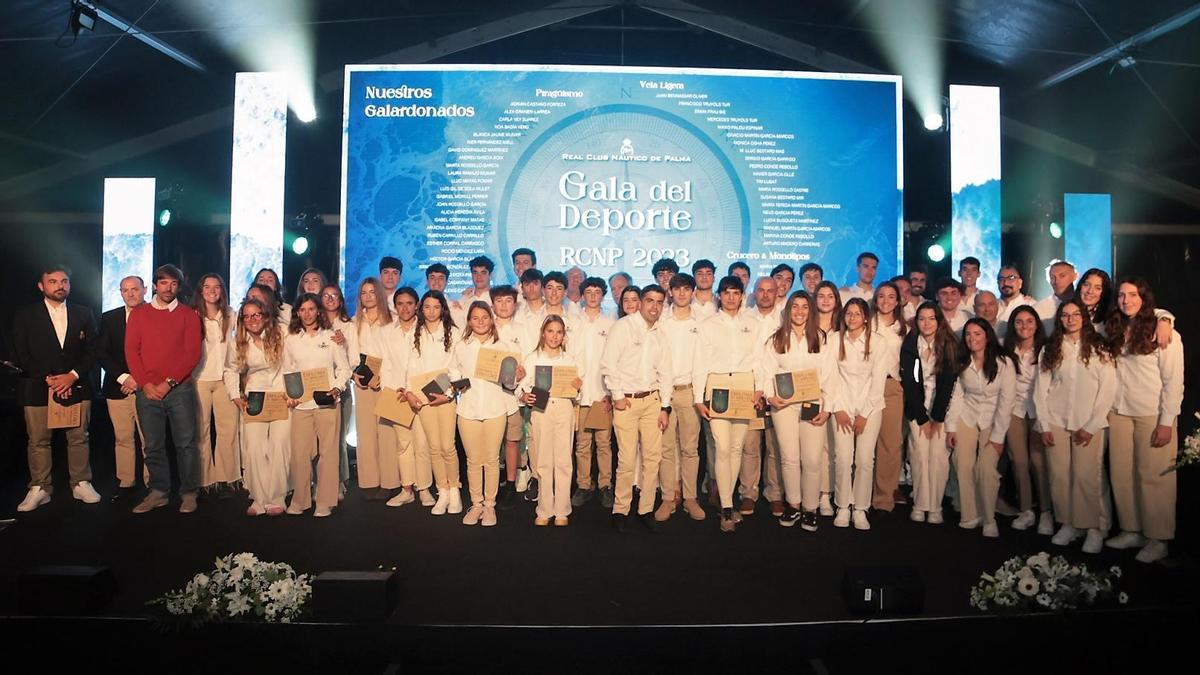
(300,245)
(934,121)
(83,17)
(936,253)
(1056,230)
(164,217)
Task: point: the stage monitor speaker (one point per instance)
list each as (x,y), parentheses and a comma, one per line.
(65,590)
(354,597)
(883,590)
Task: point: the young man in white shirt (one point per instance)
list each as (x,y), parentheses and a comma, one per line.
(867,265)
(949,298)
(1012,294)
(390,270)
(767,312)
(785,278)
(741,270)
(662,270)
(592,329)
(513,339)
(481,281)
(918,283)
(681,441)
(637,371)
(968,273)
(811,276)
(704,301)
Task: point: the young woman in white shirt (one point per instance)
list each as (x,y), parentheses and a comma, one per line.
(270,278)
(482,414)
(631,301)
(928,373)
(887,319)
(220,467)
(980,412)
(864,359)
(416,472)
(309,345)
(1143,434)
(432,343)
(378,470)
(553,428)
(1073,392)
(255,363)
(333,304)
(312,280)
(1024,340)
(828,300)
(800,345)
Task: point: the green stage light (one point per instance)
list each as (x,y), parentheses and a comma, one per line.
(1056,230)
(164,217)
(936,253)
(300,246)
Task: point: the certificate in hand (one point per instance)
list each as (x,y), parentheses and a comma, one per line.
(301,385)
(730,395)
(801,385)
(393,409)
(489,365)
(266,406)
(62,415)
(562,382)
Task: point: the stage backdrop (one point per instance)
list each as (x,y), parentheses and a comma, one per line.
(612,168)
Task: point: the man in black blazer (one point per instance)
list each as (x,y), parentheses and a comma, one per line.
(119,386)
(55,344)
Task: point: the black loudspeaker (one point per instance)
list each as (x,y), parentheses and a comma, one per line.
(354,597)
(883,590)
(65,590)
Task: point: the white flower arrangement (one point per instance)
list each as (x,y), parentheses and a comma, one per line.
(241,587)
(1042,582)
(1189,454)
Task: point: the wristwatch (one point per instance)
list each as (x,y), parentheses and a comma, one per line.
(172,383)
(667,409)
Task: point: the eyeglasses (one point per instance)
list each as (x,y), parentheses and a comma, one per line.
(329,296)
(1008,277)
(254,316)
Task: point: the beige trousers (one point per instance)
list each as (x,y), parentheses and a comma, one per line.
(436,434)
(376,448)
(889,448)
(974,462)
(1078,486)
(406,453)
(222,464)
(1143,489)
(315,436)
(123,414)
(752,474)
(480,439)
(930,468)
(267,460)
(583,453)
(729,436)
(681,446)
(1027,451)
(39,453)
(637,427)
(553,431)
(854,463)
(800,447)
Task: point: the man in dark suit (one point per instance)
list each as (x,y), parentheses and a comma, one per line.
(55,345)
(119,387)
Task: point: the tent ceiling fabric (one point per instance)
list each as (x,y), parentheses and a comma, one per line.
(132,91)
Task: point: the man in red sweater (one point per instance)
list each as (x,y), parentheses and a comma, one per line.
(162,347)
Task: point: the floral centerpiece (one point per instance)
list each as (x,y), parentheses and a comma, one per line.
(241,587)
(1189,454)
(1042,582)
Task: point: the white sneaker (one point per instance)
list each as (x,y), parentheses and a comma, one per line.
(405,497)
(1024,520)
(991,531)
(1126,540)
(1152,551)
(443,501)
(35,498)
(935,518)
(294,511)
(1046,523)
(917,516)
(970,524)
(843,518)
(523,475)
(321,512)
(84,492)
(427,499)
(1094,541)
(1065,535)
(825,507)
(455,505)
(860,520)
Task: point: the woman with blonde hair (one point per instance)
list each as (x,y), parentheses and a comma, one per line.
(220,466)
(378,470)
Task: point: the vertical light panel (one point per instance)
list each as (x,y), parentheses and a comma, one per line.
(975,178)
(256,199)
(1088,221)
(128,235)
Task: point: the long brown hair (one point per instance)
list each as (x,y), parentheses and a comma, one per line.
(781,340)
(837,304)
(272,336)
(468,331)
(447,322)
(842,329)
(342,315)
(945,344)
(295,326)
(201,307)
(383,308)
(1134,334)
(1039,333)
(897,314)
(1090,342)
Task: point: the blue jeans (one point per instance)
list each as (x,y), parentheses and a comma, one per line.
(178,406)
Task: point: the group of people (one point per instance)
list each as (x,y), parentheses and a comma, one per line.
(814,399)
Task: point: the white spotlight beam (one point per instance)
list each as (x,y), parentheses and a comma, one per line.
(134,32)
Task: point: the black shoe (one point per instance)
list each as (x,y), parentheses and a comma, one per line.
(789,517)
(378,494)
(125,494)
(582,497)
(606,497)
(225,491)
(531,492)
(618,522)
(808,521)
(649,521)
(508,499)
